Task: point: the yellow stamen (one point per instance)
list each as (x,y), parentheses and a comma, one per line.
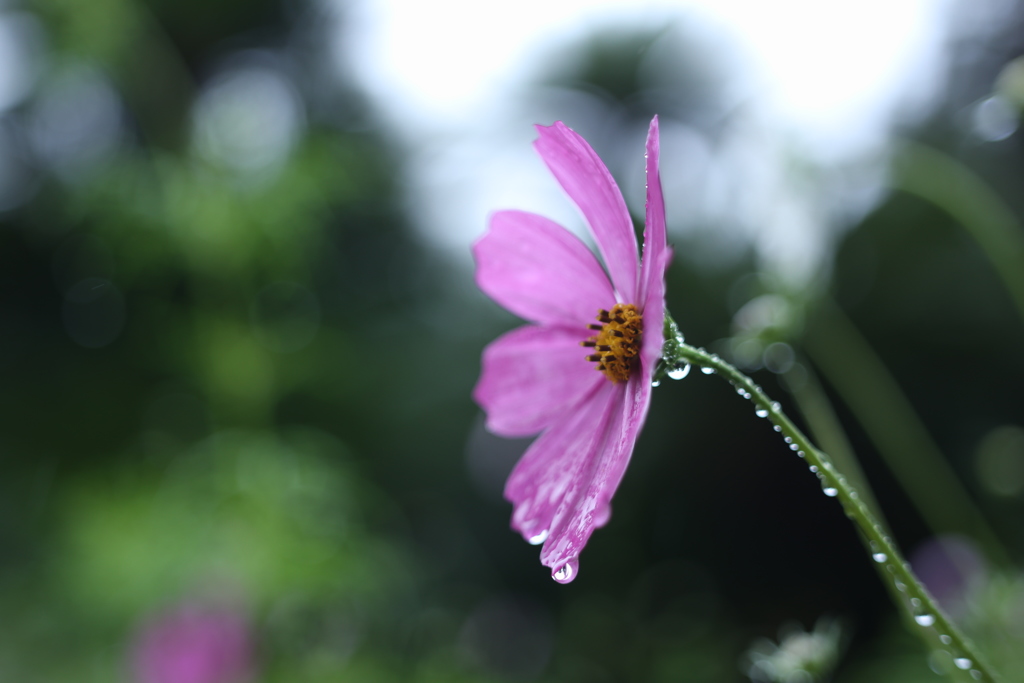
(617,343)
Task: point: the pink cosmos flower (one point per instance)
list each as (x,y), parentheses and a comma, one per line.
(194,643)
(587,405)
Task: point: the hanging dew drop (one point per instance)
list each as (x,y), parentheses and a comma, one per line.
(707,370)
(539,538)
(924,619)
(656,383)
(566,572)
(813,468)
(777,428)
(776,406)
(963,663)
(946,640)
(879,557)
(788,440)
(794,447)
(830,491)
(761,412)
(680,372)
(800,453)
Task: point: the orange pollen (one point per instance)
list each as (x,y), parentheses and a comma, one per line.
(617,342)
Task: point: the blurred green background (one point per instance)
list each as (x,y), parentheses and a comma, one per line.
(237,441)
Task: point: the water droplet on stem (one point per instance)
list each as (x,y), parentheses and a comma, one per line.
(680,372)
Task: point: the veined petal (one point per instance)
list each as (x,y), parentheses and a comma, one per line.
(656,255)
(540,271)
(586,180)
(554,464)
(531,376)
(586,505)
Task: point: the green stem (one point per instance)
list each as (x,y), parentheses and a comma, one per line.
(935,626)
(824,426)
(847,361)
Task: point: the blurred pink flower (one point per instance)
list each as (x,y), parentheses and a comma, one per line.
(537,379)
(194,643)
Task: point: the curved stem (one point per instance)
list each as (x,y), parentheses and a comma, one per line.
(851,366)
(936,627)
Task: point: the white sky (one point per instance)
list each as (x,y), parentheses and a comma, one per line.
(826,80)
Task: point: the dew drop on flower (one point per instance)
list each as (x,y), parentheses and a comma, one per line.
(761,412)
(566,572)
(879,557)
(924,619)
(539,538)
(679,373)
(963,663)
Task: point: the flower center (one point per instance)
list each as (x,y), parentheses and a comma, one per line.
(617,342)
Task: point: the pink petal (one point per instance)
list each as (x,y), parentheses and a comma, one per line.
(556,461)
(540,271)
(531,376)
(586,504)
(656,255)
(586,180)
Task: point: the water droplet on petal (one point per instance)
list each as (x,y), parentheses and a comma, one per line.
(679,373)
(963,663)
(567,572)
(707,370)
(761,412)
(830,491)
(539,538)
(879,557)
